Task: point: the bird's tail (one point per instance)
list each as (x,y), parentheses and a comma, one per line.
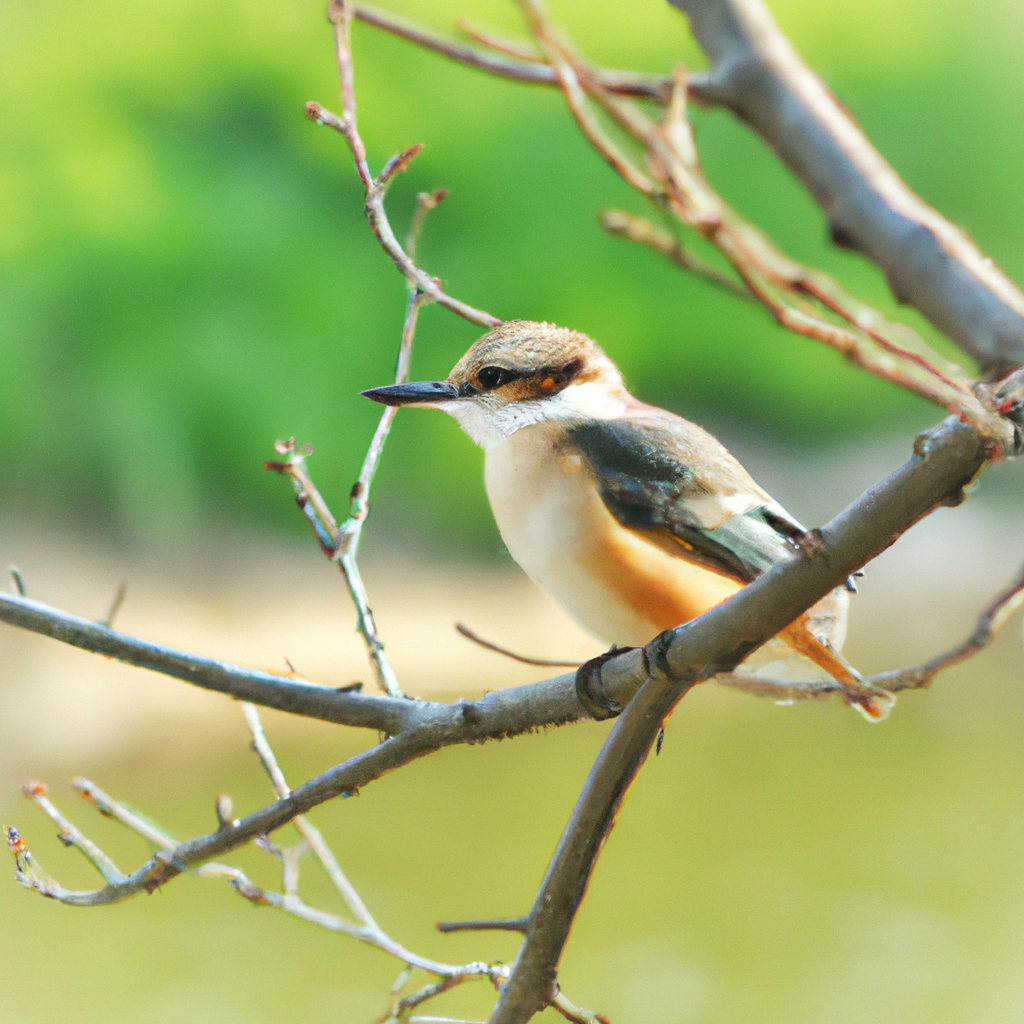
(873,703)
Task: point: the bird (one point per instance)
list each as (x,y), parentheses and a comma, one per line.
(634,519)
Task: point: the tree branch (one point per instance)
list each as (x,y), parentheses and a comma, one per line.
(384,714)
(376,188)
(945,459)
(890,351)
(929,263)
(518,68)
(30,874)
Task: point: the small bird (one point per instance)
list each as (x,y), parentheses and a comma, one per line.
(633,518)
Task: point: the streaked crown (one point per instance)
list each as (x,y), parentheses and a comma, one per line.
(522,360)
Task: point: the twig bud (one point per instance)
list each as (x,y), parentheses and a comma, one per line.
(224,809)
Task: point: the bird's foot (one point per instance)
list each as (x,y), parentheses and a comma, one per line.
(872,702)
(590,686)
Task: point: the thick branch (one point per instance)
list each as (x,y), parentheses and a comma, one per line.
(929,263)
(384,714)
(946,459)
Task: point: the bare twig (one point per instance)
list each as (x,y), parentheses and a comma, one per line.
(575,1013)
(521,68)
(677,659)
(915,677)
(115,606)
(469,634)
(516,48)
(643,232)
(69,835)
(376,188)
(516,924)
(991,622)
(928,262)
(339,543)
(305,828)
(18,580)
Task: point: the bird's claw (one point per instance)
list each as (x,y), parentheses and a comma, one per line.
(872,702)
(590,686)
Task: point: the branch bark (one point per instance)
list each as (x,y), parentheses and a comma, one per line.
(928,262)
(501,63)
(945,460)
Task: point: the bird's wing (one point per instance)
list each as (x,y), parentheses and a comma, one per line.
(666,478)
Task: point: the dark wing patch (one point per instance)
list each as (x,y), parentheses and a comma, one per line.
(645,472)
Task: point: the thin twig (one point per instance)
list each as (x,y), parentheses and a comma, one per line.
(520,69)
(337,543)
(115,606)
(69,835)
(469,634)
(518,49)
(575,1013)
(643,232)
(305,828)
(914,677)
(376,188)
(517,924)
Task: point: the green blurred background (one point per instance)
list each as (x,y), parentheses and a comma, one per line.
(187,276)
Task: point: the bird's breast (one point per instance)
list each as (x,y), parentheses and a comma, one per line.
(617,584)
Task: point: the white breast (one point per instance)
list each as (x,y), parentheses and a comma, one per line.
(608,578)
(552,520)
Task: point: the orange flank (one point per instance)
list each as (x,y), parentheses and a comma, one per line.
(660,588)
(668,590)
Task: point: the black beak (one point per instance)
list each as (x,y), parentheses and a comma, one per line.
(413,394)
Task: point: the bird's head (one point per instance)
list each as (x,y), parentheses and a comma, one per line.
(519,374)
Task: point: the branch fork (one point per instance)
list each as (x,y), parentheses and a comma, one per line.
(648,683)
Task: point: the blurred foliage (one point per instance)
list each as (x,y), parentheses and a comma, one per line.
(187,274)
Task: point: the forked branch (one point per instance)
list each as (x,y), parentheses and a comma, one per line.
(376,187)
(928,262)
(803,300)
(717,642)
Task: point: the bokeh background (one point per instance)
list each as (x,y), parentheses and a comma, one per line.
(187,276)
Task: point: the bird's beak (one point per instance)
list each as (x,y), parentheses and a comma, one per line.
(427,392)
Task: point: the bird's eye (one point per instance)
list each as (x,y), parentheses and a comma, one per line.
(491,377)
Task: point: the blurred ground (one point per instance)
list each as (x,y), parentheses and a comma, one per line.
(778,864)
